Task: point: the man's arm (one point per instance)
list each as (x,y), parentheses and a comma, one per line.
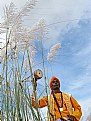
(77,113)
(41,102)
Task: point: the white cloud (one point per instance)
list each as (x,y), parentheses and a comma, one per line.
(55,12)
(60,12)
(81,82)
(85,50)
(86,108)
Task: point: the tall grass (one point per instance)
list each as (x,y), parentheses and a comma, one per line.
(17,76)
(16,96)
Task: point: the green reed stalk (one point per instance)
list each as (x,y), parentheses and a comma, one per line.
(34,87)
(13,108)
(16,90)
(6,57)
(28,102)
(43,61)
(3,102)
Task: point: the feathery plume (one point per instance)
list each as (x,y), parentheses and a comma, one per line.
(53,51)
(39,29)
(19,37)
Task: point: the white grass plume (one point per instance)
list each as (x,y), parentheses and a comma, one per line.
(53,51)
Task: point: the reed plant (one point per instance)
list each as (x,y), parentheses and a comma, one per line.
(17,66)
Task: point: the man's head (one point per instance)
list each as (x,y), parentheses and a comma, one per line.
(54,83)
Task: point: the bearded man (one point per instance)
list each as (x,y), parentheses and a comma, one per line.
(63,107)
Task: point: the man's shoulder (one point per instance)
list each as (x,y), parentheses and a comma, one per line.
(65,93)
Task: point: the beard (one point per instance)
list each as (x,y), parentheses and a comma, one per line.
(55,87)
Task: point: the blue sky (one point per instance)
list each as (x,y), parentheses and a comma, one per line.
(68,22)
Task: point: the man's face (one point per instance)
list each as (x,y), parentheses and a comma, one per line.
(55,85)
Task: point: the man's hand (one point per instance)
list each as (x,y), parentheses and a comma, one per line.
(34,84)
(71,118)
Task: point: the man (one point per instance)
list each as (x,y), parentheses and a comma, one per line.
(63,107)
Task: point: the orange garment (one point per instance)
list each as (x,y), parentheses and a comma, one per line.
(64,110)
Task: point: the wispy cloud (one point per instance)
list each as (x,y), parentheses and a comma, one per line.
(66,23)
(60,16)
(86,107)
(86,50)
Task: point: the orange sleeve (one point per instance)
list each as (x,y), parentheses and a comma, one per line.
(77,109)
(41,102)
